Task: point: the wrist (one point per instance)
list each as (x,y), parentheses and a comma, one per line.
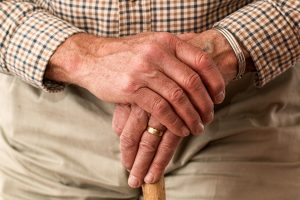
(241,61)
(218,47)
(224,56)
(69,61)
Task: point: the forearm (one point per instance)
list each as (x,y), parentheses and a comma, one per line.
(73,60)
(28,37)
(269,30)
(65,65)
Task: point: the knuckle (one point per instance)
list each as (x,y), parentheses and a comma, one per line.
(159,106)
(167,147)
(127,142)
(179,46)
(153,75)
(147,147)
(157,167)
(204,62)
(199,58)
(130,85)
(141,65)
(193,82)
(151,50)
(175,121)
(139,113)
(177,95)
(165,36)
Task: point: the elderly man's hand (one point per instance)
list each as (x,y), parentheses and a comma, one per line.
(142,152)
(147,155)
(156,71)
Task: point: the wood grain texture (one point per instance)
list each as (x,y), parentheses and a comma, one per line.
(154,191)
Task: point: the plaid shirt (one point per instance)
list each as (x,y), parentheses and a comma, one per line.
(31,30)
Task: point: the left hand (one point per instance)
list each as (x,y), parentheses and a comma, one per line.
(147,155)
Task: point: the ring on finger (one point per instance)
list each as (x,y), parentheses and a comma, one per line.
(155,131)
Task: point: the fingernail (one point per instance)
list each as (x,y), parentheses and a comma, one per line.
(211,117)
(200,129)
(220,97)
(149,178)
(185,131)
(133,182)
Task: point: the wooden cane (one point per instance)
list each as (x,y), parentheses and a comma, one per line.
(155,191)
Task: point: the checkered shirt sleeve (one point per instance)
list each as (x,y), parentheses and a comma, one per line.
(31,32)
(270,31)
(29,36)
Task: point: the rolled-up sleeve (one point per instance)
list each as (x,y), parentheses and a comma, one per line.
(270,31)
(29,36)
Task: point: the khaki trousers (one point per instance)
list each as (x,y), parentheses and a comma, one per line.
(61,146)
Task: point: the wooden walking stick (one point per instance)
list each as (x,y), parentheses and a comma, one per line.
(155,191)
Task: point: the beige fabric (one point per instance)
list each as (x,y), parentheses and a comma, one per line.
(61,146)
(251,150)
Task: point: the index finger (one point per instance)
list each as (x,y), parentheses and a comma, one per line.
(203,64)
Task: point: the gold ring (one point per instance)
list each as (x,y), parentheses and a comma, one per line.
(154,131)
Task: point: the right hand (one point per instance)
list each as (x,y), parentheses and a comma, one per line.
(156,71)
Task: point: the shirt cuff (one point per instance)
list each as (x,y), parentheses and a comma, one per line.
(31,46)
(268,35)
